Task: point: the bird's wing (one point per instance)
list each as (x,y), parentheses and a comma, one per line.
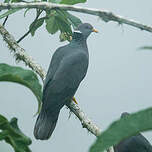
(65,81)
(70,72)
(55,61)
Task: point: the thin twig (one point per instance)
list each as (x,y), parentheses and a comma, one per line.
(103,14)
(34,22)
(21,55)
(5,21)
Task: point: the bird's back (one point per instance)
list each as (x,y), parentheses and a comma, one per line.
(136,143)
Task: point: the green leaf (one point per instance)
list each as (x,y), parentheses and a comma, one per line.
(9,12)
(11,133)
(146,48)
(6,1)
(122,129)
(75,21)
(35,25)
(25,77)
(71,2)
(51,24)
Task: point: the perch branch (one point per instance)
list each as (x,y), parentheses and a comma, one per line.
(103,14)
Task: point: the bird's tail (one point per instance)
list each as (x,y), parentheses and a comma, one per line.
(44,126)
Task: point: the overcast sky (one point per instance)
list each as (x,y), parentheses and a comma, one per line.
(119,77)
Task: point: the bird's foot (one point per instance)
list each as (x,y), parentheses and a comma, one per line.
(74,100)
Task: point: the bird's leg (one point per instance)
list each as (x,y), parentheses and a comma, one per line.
(74,100)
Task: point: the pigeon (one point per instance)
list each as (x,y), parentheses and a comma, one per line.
(67,69)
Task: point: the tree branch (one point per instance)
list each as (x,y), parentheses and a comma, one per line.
(21,55)
(34,22)
(103,14)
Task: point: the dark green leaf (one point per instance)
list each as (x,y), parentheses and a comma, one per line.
(75,21)
(122,129)
(6,1)
(9,12)
(25,77)
(64,26)
(11,133)
(51,24)
(35,25)
(146,48)
(71,2)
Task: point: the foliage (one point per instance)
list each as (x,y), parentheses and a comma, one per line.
(56,20)
(146,48)
(122,129)
(25,77)
(11,133)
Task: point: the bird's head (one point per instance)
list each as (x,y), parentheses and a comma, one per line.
(85,29)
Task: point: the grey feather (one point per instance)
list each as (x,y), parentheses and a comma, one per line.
(67,69)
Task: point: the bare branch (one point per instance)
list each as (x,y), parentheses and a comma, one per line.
(103,14)
(5,21)
(34,22)
(21,55)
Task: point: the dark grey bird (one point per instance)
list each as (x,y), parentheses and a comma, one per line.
(136,143)
(67,69)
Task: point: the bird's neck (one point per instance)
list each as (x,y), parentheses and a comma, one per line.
(78,37)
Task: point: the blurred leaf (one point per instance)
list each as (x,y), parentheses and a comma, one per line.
(15,1)
(26,11)
(9,12)
(64,25)
(35,25)
(51,24)
(11,133)
(122,129)
(61,20)
(25,77)
(6,1)
(75,21)
(146,48)
(71,2)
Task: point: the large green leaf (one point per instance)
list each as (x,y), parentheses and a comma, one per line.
(122,129)
(25,77)
(35,25)
(11,133)
(71,2)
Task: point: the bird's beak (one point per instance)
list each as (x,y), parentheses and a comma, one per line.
(94,30)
